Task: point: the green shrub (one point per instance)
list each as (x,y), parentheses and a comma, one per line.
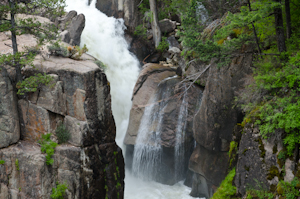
(232,151)
(259,192)
(74,52)
(140,30)
(289,190)
(100,64)
(226,189)
(62,134)
(59,191)
(2,162)
(17,164)
(48,146)
(163,45)
(32,83)
(280,106)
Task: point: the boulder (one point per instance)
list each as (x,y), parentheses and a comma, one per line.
(173,42)
(63,23)
(9,119)
(75,30)
(172,106)
(167,26)
(140,47)
(110,8)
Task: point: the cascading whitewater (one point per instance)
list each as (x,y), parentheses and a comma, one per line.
(180,136)
(148,150)
(104,37)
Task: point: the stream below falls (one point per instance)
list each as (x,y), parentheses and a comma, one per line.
(104,37)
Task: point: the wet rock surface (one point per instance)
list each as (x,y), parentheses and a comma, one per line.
(160,81)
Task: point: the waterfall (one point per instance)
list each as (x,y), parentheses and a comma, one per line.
(148,150)
(180,136)
(104,37)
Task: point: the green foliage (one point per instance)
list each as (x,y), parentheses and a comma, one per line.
(233,148)
(163,45)
(59,191)
(30,25)
(48,146)
(17,164)
(141,30)
(32,83)
(259,192)
(20,58)
(289,190)
(232,151)
(62,134)
(100,64)
(226,189)
(74,52)
(2,162)
(281,104)
(57,50)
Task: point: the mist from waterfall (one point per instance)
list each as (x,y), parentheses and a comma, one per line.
(104,37)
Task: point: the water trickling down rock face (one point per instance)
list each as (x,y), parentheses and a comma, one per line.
(159,137)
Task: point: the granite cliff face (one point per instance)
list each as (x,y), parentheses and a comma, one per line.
(91,163)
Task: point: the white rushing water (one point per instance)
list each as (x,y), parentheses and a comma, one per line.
(104,37)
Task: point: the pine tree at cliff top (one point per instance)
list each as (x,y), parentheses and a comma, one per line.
(12,20)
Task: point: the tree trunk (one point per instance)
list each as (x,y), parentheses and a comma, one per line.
(288,19)
(254,30)
(154,23)
(279,29)
(14,40)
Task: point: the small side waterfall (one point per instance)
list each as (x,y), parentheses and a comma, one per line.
(148,149)
(180,135)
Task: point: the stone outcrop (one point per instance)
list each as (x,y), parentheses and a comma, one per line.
(91,163)
(167,26)
(215,121)
(9,119)
(159,82)
(269,168)
(71,26)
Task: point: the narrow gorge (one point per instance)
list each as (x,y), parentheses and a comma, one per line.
(101,112)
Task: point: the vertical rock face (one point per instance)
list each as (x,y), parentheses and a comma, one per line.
(269,168)
(169,127)
(215,121)
(90,163)
(9,119)
(72,26)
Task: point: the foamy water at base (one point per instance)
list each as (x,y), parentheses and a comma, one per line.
(139,189)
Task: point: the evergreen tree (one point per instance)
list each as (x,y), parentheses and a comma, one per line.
(10,21)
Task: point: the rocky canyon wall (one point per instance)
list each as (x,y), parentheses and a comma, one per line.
(90,163)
